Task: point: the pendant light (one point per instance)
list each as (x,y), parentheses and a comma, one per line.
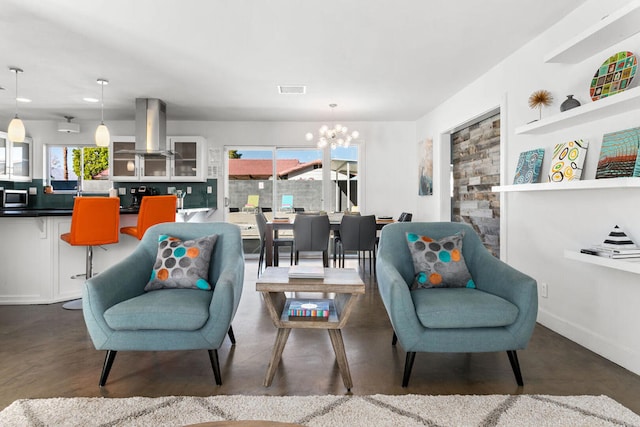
(102,133)
(16,131)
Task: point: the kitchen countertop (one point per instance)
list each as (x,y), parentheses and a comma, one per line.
(29,212)
(32,213)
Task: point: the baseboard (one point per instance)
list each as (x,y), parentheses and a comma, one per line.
(599,344)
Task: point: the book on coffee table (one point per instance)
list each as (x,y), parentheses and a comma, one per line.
(306,272)
(308,310)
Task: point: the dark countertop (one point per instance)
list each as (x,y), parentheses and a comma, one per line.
(31,213)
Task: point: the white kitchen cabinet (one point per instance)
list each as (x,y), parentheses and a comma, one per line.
(185,164)
(15,159)
(39,266)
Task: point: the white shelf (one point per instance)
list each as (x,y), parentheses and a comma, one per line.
(587,184)
(631,265)
(605,107)
(612,29)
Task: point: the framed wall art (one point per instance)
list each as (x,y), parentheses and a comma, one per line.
(568,160)
(528,168)
(425,167)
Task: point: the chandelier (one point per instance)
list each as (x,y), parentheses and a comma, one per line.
(337,136)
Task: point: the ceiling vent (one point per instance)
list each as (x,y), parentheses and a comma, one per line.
(292,89)
(68,127)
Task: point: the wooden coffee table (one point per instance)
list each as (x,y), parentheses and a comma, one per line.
(345,283)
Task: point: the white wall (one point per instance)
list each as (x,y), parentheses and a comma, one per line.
(389,180)
(594,306)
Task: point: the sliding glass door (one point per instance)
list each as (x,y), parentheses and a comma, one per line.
(285,181)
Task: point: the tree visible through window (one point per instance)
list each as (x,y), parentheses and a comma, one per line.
(70,165)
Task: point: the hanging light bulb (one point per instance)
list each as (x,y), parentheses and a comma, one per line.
(102,133)
(335,137)
(16,131)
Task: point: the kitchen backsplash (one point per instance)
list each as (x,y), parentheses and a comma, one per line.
(198,198)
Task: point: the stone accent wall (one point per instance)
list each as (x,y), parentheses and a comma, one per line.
(475,153)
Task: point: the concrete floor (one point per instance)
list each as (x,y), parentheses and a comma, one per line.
(45,351)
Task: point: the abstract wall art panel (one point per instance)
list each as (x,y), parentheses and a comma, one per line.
(568,160)
(528,168)
(619,154)
(425,159)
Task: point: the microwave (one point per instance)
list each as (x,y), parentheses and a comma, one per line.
(14,198)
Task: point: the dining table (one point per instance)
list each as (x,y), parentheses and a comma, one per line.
(276,225)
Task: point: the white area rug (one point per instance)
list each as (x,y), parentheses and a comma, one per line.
(352,411)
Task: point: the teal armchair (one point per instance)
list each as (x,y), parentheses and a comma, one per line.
(499,315)
(166,319)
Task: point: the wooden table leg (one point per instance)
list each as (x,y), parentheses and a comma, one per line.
(281,340)
(341,357)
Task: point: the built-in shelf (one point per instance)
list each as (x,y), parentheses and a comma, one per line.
(587,184)
(612,29)
(605,107)
(631,265)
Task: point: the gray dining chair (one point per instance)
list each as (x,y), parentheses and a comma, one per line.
(278,242)
(311,234)
(358,233)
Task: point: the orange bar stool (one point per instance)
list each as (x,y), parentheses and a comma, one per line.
(153,210)
(94,222)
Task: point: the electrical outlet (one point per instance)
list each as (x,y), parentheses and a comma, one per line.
(544,290)
(33,191)
(188,190)
(122,191)
(209,189)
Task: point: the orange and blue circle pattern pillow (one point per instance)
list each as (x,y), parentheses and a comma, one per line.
(439,263)
(182,264)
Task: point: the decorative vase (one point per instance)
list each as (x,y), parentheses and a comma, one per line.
(569,103)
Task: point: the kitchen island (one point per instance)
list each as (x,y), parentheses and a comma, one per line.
(36,265)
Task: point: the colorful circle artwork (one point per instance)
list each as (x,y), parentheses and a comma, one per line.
(614,75)
(568,159)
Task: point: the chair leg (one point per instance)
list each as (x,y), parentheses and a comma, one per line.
(261,259)
(394,340)
(232,337)
(408,365)
(215,364)
(106,368)
(375,273)
(515,365)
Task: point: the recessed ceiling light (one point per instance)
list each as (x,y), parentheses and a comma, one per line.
(23,99)
(292,89)
(91,99)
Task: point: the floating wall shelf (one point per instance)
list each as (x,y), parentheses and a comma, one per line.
(587,184)
(612,29)
(631,265)
(605,107)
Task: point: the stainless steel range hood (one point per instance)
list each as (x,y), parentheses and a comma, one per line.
(151,128)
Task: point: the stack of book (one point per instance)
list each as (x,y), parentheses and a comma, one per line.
(617,245)
(309,310)
(616,253)
(306,272)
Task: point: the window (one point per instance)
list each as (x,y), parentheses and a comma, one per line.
(70,168)
(344,178)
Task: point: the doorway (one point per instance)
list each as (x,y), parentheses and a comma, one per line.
(475,159)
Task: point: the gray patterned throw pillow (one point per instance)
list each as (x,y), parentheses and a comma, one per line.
(439,263)
(182,264)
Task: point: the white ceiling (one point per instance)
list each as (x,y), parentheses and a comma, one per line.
(379,60)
